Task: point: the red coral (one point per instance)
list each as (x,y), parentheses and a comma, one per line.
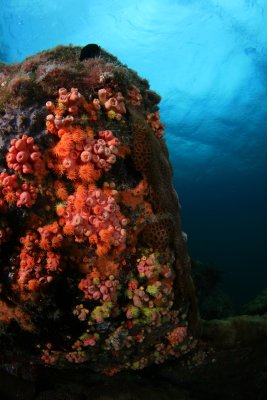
(26,195)
(134,96)
(37,267)
(24,156)
(68,103)
(102,290)
(177,335)
(114,105)
(8,182)
(98,220)
(51,236)
(80,156)
(154,121)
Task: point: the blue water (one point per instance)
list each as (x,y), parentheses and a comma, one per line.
(208,61)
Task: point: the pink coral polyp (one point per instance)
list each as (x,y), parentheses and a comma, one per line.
(24,156)
(99,218)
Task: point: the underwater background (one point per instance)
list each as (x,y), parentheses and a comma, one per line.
(208,61)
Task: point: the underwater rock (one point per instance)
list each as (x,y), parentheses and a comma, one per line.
(225,365)
(233,332)
(94,266)
(257,306)
(213,303)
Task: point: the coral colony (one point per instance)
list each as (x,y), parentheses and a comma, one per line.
(94,263)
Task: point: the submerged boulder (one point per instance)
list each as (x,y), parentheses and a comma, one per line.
(94,265)
(256,306)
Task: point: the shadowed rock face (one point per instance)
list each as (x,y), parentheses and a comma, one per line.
(94,266)
(257,306)
(232,363)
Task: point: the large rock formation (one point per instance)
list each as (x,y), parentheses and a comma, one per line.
(94,267)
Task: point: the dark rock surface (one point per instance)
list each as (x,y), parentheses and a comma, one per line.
(257,306)
(230,363)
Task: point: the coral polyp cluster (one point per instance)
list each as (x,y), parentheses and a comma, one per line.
(38,263)
(80,153)
(95,218)
(24,156)
(91,248)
